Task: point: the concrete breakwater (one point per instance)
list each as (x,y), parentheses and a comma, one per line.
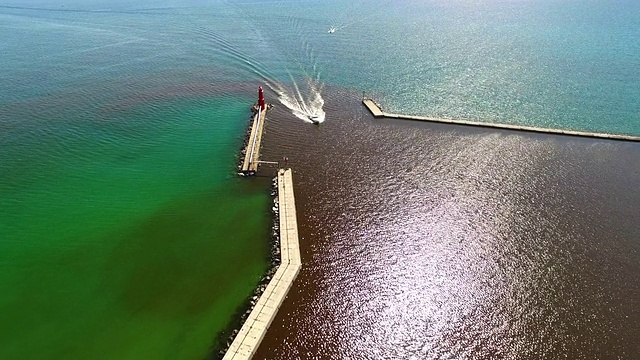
(255,327)
(251,151)
(377,112)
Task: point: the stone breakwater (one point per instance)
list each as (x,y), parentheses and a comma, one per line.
(225,340)
(268,298)
(377,112)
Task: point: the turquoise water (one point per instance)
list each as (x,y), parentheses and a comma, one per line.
(561,64)
(120,126)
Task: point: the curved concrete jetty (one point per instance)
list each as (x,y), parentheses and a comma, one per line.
(255,327)
(377,112)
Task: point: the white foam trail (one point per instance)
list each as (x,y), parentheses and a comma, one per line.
(300,105)
(304,102)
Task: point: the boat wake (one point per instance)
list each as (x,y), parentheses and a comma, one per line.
(305,103)
(303,93)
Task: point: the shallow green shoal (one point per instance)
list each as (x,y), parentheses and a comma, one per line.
(126,235)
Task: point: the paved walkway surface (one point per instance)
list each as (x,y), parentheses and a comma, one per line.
(252,151)
(255,327)
(377,112)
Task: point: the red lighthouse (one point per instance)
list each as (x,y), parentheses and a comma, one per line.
(261,99)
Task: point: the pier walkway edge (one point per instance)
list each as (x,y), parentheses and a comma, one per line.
(252,150)
(255,327)
(377,112)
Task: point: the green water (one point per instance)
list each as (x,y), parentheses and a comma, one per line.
(128,247)
(124,232)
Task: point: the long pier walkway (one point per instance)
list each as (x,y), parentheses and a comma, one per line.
(252,151)
(255,327)
(377,112)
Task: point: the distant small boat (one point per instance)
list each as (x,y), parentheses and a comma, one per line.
(314,119)
(332,30)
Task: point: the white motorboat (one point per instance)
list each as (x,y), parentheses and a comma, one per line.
(314,119)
